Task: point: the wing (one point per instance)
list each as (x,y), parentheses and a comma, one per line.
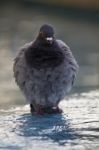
(72,63)
(69,55)
(20,68)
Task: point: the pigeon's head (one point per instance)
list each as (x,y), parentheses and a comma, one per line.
(46,34)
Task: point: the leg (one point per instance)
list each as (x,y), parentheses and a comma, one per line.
(36,109)
(39,109)
(32,110)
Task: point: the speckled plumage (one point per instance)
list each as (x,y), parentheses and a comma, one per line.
(45,85)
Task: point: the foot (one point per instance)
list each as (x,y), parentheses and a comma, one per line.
(32,110)
(58,110)
(52,110)
(38,109)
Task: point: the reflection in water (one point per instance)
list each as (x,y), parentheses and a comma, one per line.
(51,127)
(77,128)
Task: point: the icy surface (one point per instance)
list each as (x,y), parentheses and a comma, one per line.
(76,129)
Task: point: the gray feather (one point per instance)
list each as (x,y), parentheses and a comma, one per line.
(45,86)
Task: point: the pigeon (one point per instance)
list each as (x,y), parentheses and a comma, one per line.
(45,70)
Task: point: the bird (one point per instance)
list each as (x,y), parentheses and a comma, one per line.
(45,70)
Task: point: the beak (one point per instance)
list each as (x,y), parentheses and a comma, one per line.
(49,39)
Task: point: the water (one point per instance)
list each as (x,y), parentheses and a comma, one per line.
(78,127)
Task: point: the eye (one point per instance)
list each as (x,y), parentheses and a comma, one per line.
(42,35)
